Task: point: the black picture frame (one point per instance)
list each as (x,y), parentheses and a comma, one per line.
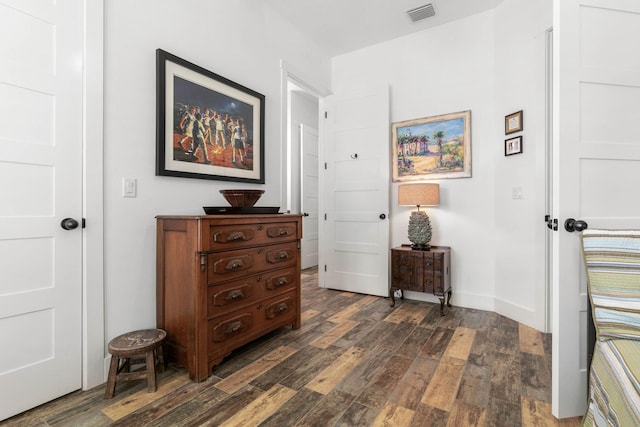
(513,146)
(230,130)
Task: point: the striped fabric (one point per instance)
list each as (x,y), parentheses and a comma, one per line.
(614,390)
(612,259)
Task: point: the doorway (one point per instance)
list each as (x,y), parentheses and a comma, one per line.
(301,193)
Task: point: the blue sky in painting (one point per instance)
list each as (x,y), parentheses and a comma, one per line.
(453,128)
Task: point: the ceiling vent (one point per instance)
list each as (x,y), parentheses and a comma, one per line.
(421,12)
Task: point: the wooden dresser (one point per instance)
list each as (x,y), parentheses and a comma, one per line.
(224,280)
(422,271)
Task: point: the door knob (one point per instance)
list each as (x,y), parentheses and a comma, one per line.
(305,214)
(382,216)
(69,224)
(572,225)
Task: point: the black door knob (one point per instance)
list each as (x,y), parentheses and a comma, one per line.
(580,225)
(572,225)
(382,216)
(305,214)
(69,224)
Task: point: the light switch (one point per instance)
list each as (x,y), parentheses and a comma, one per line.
(129,187)
(517,193)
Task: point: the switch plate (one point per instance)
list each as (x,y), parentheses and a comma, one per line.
(517,193)
(129,187)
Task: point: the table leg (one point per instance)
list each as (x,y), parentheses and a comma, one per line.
(393,296)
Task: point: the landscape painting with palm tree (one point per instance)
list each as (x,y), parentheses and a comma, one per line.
(432,147)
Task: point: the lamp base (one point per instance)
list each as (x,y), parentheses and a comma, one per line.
(420,247)
(419,232)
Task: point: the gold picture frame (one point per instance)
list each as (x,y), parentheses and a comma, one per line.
(513,123)
(433,147)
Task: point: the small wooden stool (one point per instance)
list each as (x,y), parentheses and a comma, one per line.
(144,346)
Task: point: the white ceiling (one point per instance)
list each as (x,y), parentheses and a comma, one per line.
(341,26)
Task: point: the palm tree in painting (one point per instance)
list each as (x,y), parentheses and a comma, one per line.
(439,136)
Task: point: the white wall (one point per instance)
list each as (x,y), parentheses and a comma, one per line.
(240,40)
(520,231)
(446,69)
(497,259)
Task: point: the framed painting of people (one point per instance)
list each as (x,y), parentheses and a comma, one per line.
(432,147)
(208,127)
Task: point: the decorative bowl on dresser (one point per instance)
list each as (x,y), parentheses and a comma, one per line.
(223,281)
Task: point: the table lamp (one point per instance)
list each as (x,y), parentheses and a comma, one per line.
(419,231)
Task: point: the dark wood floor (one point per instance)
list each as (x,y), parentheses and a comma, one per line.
(354,362)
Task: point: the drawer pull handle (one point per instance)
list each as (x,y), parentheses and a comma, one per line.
(235,294)
(234,264)
(281,307)
(282,282)
(283,255)
(283,232)
(233,328)
(236,235)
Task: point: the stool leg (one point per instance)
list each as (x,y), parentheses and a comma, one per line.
(151,372)
(160,354)
(111,379)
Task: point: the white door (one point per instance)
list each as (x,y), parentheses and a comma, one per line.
(309,198)
(40,184)
(596,166)
(355,189)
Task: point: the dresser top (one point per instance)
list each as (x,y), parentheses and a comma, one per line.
(235,216)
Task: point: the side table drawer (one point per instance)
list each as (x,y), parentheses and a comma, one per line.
(406,270)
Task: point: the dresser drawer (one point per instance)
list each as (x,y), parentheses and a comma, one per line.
(240,324)
(280,280)
(231,295)
(279,308)
(229,265)
(231,327)
(223,237)
(234,294)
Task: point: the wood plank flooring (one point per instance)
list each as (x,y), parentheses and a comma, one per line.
(355,361)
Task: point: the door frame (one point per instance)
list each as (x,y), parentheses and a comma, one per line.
(548,312)
(288,73)
(93,320)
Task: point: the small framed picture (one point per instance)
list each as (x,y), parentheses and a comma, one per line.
(513,123)
(513,146)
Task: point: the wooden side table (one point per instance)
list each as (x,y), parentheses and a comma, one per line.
(421,271)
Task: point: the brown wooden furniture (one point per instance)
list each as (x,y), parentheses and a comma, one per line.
(130,349)
(225,280)
(421,271)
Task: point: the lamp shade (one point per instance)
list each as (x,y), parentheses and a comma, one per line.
(419,195)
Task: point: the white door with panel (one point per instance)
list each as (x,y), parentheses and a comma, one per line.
(41,88)
(309,198)
(596,164)
(355,189)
